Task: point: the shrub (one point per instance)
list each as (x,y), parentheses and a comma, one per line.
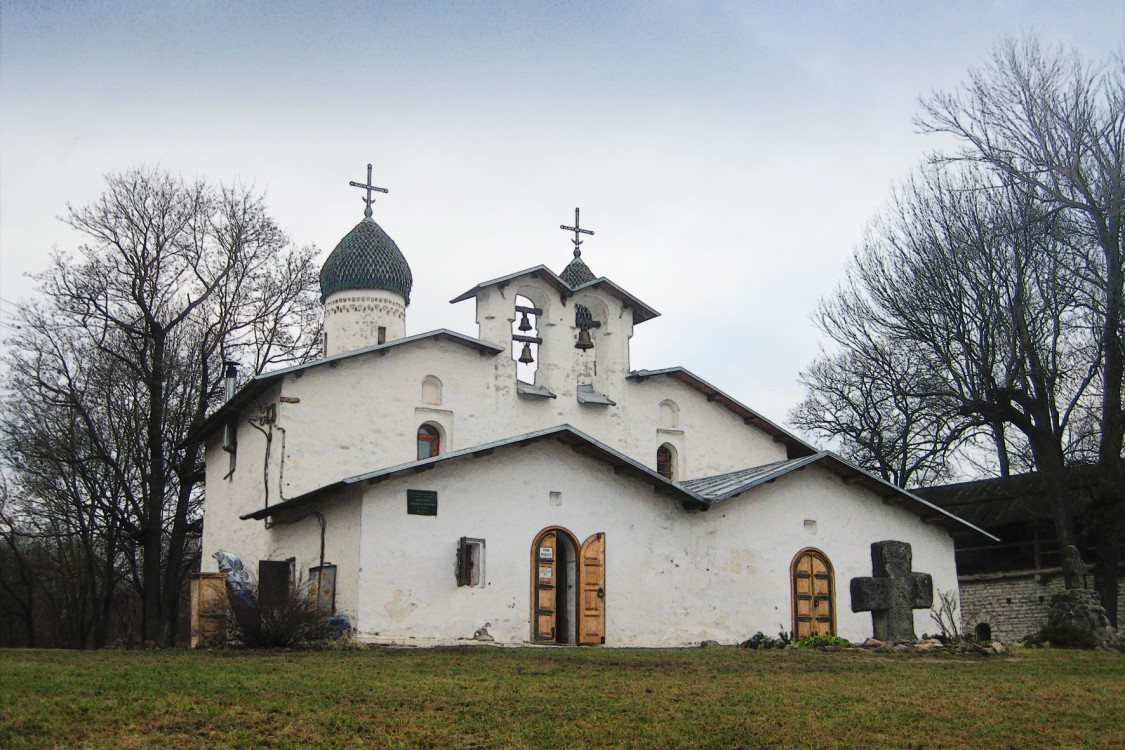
(1064,636)
(821,641)
(762,641)
(277,622)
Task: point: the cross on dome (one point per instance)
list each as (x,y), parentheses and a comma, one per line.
(577,232)
(369,187)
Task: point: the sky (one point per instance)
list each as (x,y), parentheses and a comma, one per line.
(727,155)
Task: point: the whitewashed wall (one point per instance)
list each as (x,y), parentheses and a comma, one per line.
(672,577)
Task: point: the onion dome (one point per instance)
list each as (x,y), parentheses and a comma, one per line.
(367,258)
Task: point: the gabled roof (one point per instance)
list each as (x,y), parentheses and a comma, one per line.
(723,487)
(795,445)
(695,494)
(641,311)
(577,440)
(258,385)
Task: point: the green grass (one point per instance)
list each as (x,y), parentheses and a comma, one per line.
(567,697)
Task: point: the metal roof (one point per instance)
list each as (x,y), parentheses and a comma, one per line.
(258,385)
(697,494)
(794,444)
(641,311)
(723,486)
(577,440)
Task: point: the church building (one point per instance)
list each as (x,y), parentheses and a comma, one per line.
(528,483)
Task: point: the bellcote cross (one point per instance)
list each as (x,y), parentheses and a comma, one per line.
(578,231)
(369,187)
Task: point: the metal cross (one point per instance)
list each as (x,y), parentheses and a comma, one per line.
(368,187)
(577,231)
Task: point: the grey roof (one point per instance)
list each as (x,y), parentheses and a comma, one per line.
(366,258)
(577,440)
(258,385)
(724,486)
(697,494)
(527,389)
(587,395)
(577,273)
(641,311)
(795,446)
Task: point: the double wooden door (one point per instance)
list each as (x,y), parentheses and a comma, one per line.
(568,588)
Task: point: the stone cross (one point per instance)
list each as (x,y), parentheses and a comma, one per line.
(893,592)
(577,231)
(368,187)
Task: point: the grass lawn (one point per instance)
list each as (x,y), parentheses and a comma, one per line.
(566,697)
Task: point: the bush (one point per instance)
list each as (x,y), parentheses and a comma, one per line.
(1064,636)
(821,641)
(761,641)
(279,622)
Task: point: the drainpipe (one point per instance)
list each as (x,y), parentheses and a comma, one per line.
(231,377)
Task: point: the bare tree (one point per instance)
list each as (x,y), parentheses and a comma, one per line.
(127,347)
(1048,121)
(887,417)
(968,279)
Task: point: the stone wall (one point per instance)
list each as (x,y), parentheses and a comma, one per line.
(1015,604)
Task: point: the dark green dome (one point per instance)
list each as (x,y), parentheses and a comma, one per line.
(577,273)
(367,258)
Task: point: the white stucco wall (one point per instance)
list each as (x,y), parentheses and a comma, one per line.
(672,577)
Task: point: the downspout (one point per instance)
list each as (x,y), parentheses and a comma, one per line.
(230,376)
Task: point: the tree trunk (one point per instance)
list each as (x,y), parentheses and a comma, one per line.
(154,621)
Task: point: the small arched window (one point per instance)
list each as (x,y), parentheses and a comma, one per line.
(665,461)
(429,441)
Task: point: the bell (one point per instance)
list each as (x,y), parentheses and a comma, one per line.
(525,355)
(525,324)
(584,341)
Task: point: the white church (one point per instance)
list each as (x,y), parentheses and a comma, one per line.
(527,483)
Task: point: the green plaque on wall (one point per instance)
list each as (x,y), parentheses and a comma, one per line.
(421,502)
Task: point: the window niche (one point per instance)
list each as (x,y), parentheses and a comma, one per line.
(470,562)
(669,414)
(431,391)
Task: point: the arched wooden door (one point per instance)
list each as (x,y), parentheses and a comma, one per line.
(814,594)
(567,588)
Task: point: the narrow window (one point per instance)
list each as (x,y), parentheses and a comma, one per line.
(382,335)
(429,442)
(665,461)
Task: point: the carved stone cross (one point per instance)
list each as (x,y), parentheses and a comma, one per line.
(893,592)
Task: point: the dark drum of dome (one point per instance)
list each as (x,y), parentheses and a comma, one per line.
(577,273)
(367,258)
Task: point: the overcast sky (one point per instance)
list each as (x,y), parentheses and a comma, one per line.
(727,155)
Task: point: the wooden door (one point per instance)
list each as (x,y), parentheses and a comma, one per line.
(814,600)
(544,568)
(591,623)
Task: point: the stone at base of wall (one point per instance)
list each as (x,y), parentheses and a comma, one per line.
(1013,605)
